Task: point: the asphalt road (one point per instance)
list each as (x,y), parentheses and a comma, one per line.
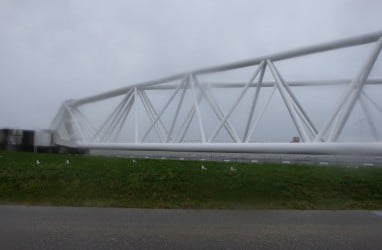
(25,227)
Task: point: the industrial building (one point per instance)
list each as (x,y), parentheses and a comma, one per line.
(26,140)
(41,140)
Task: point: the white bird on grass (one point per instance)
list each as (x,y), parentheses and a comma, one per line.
(37,162)
(233,169)
(203,168)
(67,162)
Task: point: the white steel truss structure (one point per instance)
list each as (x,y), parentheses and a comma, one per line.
(171,121)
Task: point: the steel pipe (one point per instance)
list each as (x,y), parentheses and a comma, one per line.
(279,148)
(343,43)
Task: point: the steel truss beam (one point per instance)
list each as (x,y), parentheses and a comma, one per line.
(73,127)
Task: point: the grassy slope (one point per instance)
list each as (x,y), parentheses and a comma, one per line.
(101,181)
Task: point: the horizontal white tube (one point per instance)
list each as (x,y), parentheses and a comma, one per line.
(343,43)
(338,44)
(308,83)
(276,148)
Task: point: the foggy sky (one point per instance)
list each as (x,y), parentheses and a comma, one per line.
(51,50)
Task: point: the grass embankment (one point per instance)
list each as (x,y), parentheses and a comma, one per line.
(118,182)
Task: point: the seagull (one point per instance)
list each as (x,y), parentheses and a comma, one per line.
(233,169)
(67,162)
(37,162)
(134,161)
(203,168)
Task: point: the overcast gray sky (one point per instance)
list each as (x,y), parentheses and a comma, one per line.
(54,50)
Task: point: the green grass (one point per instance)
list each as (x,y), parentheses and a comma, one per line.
(119,182)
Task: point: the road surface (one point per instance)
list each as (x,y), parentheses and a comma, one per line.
(28,227)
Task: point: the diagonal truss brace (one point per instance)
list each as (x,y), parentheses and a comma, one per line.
(154,122)
(71,125)
(351,95)
(203,93)
(218,111)
(247,85)
(196,106)
(260,116)
(372,126)
(151,115)
(253,106)
(169,137)
(289,102)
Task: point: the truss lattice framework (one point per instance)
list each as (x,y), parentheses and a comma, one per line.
(73,128)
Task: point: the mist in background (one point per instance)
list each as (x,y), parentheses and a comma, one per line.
(52,51)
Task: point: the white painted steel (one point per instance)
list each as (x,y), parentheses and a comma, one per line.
(177,111)
(288,103)
(254,126)
(163,110)
(372,102)
(220,114)
(154,114)
(343,43)
(253,106)
(233,85)
(136,114)
(279,148)
(73,128)
(196,106)
(152,117)
(356,85)
(298,106)
(357,88)
(369,119)
(258,70)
